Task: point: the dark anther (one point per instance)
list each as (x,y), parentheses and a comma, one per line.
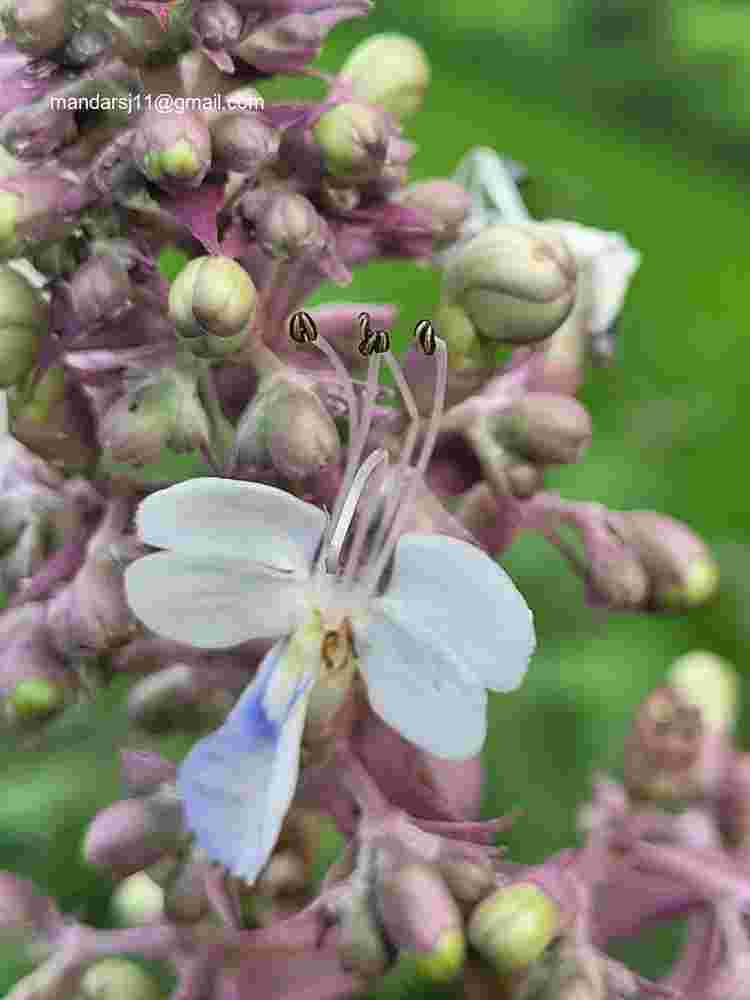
(375,342)
(424,331)
(302,328)
(364,324)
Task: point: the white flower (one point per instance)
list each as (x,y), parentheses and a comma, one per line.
(246,560)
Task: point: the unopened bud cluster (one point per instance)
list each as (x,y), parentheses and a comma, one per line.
(155,272)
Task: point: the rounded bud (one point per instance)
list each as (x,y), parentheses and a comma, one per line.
(515,284)
(468,880)
(287,428)
(116,978)
(514,926)
(38,131)
(390,70)
(546,428)
(459,334)
(172,148)
(37,26)
(137,900)
(353,139)
(421,918)
(446,203)
(218,24)
(213,299)
(683,573)
(289,225)
(35,699)
(99,288)
(84,47)
(242,142)
(23,315)
(362,948)
(132,834)
(710,683)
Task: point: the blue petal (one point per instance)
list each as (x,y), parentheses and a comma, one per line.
(237,784)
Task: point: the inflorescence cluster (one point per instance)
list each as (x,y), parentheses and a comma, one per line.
(322,604)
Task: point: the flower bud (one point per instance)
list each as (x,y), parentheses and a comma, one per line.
(683,573)
(174,697)
(137,900)
(172,149)
(284,45)
(421,918)
(212,303)
(133,834)
(353,139)
(23,315)
(289,225)
(85,47)
(362,947)
(159,409)
(468,880)
(28,920)
(286,427)
(37,26)
(117,978)
(663,749)
(444,202)
(514,926)
(546,428)
(39,205)
(100,288)
(515,284)
(711,684)
(218,24)
(242,142)
(37,131)
(389,70)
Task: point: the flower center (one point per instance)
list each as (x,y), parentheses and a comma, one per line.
(378,549)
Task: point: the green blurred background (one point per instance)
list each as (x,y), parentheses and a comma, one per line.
(631,115)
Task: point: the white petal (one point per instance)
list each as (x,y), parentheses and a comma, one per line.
(224,517)
(212,603)
(421,692)
(466,603)
(236,784)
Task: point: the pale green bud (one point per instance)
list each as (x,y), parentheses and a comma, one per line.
(23,314)
(513,926)
(422,919)
(362,947)
(36,699)
(118,979)
(354,141)
(459,334)
(137,900)
(212,303)
(389,70)
(710,683)
(515,283)
(37,26)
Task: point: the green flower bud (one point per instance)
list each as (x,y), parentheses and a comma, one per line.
(389,70)
(212,303)
(137,900)
(117,978)
(173,149)
(422,920)
(513,926)
(459,334)
(546,428)
(515,283)
(683,573)
(354,140)
(35,699)
(23,314)
(362,948)
(710,683)
(37,26)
